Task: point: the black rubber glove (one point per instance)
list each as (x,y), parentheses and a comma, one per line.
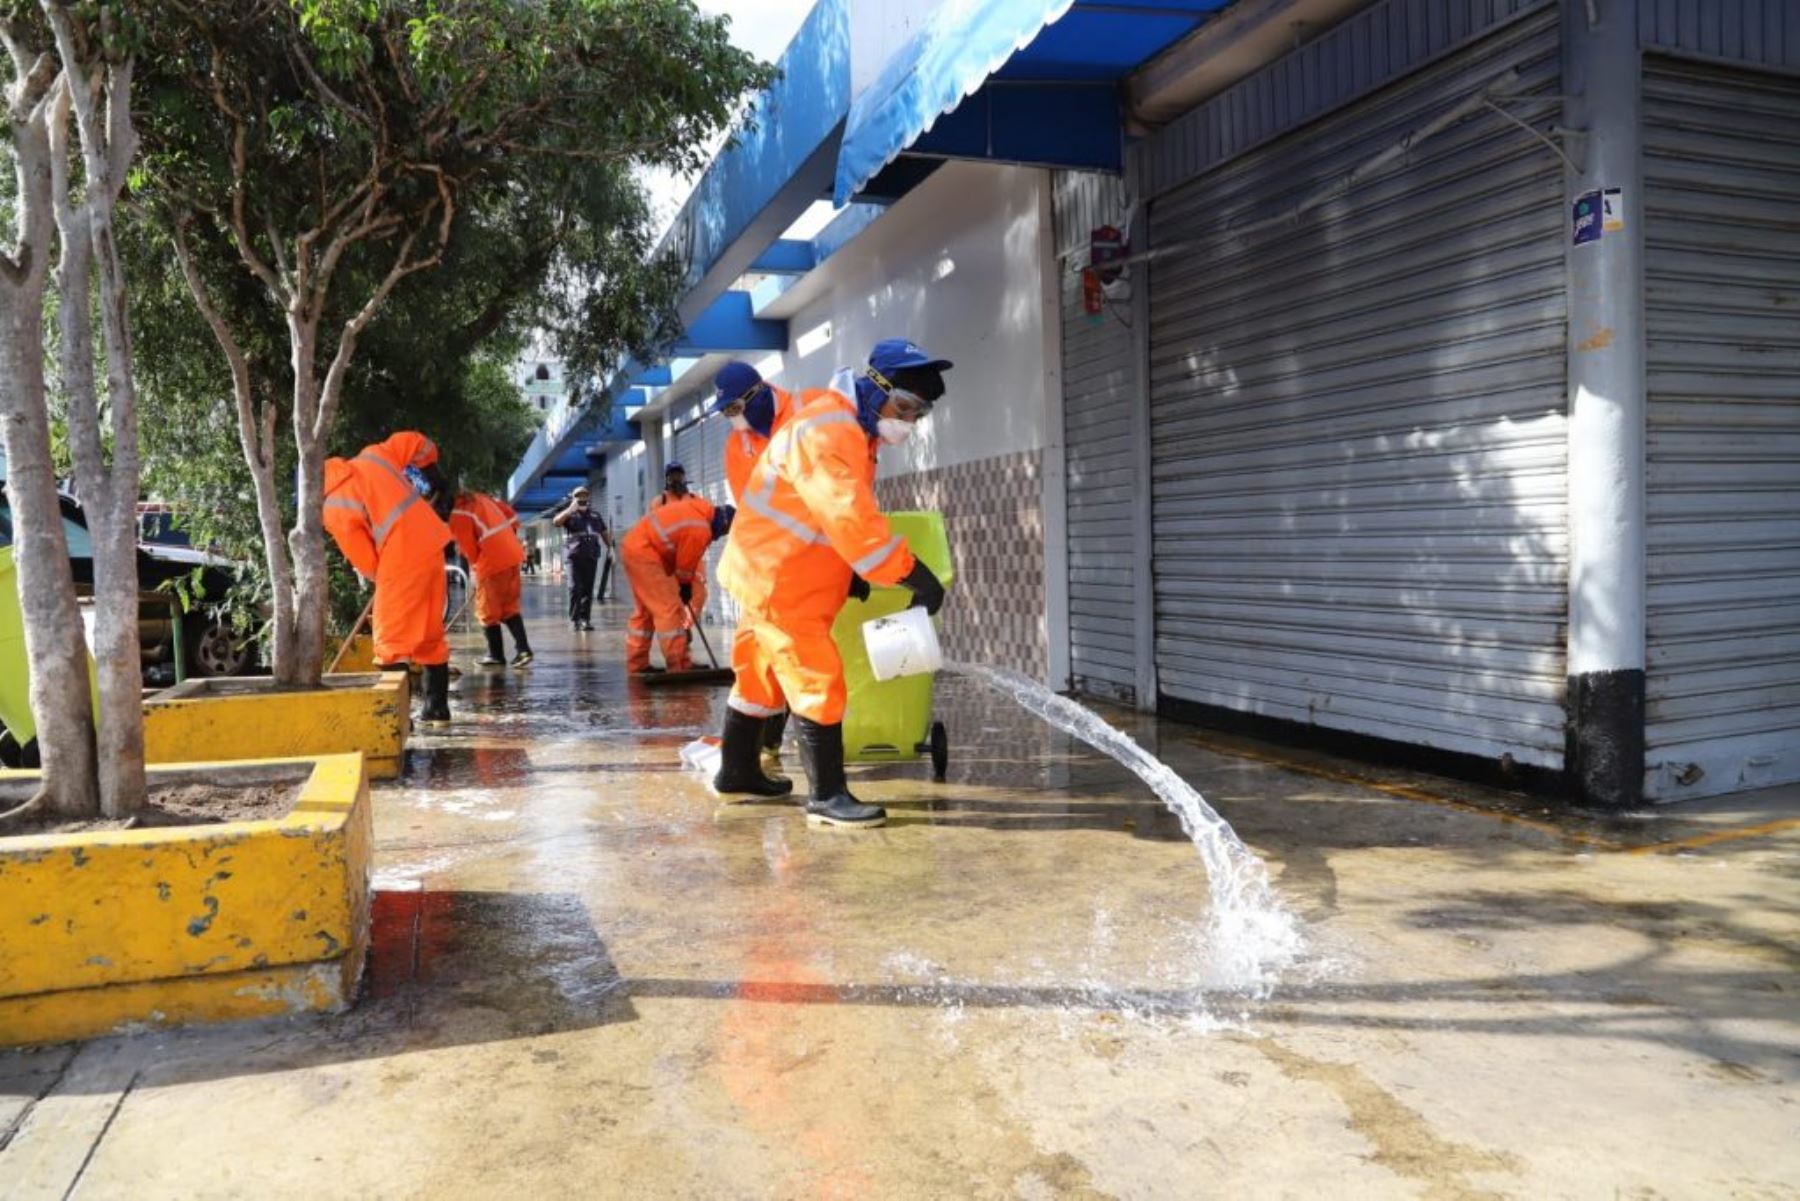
(928,594)
(687,593)
(859,587)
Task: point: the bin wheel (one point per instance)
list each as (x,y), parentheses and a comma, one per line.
(940,751)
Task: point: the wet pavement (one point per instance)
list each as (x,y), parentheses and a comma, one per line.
(590,978)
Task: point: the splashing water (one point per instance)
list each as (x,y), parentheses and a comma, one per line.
(1250,936)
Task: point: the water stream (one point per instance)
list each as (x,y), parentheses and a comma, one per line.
(1250,935)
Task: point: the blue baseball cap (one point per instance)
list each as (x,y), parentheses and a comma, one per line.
(897,354)
(734,382)
(673,466)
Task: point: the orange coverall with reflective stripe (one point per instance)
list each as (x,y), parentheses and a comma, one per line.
(486,532)
(389,534)
(808,518)
(744,447)
(662,552)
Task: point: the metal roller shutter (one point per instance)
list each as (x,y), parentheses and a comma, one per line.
(1722,278)
(1359,422)
(1098,377)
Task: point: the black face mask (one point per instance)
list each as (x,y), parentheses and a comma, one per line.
(678,487)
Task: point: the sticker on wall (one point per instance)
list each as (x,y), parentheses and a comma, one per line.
(1612,209)
(1588,226)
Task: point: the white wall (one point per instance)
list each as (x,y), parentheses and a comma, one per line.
(957,266)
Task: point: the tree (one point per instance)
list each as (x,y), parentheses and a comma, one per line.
(54,642)
(327,149)
(86,76)
(566,254)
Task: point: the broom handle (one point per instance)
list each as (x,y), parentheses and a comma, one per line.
(701,630)
(354,631)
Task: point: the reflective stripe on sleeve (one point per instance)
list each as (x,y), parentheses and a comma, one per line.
(876,557)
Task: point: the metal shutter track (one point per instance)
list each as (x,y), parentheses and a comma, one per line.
(1722,278)
(1359,425)
(1098,378)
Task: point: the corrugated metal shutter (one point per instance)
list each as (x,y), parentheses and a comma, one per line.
(1098,376)
(1359,423)
(1722,273)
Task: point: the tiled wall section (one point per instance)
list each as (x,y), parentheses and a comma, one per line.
(993,512)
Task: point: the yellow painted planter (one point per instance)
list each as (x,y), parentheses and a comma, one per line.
(184,925)
(359,659)
(224,720)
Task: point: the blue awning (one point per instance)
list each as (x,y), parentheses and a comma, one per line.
(1023,80)
(945,62)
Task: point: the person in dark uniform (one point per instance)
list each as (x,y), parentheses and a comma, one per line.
(584,533)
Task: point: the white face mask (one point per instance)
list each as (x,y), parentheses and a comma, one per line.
(894,431)
(740,422)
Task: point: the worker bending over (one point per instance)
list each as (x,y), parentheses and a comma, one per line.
(755,410)
(384,508)
(487,533)
(810,535)
(674,485)
(662,558)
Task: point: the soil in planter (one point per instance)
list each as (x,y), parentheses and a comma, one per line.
(189,804)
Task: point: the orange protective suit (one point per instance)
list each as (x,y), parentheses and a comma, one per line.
(389,534)
(661,553)
(744,447)
(486,532)
(809,517)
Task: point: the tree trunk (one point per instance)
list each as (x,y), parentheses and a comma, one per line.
(306,542)
(54,643)
(256,438)
(109,492)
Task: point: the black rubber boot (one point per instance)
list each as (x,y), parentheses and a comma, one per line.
(521,644)
(773,729)
(437,695)
(740,772)
(496,656)
(830,802)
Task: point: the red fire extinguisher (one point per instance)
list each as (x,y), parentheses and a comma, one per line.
(1106,246)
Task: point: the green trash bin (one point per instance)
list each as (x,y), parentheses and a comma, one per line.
(890,721)
(15,668)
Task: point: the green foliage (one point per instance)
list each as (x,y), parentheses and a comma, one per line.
(272,127)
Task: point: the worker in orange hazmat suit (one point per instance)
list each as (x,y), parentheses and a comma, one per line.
(756,410)
(382,509)
(809,536)
(487,533)
(662,559)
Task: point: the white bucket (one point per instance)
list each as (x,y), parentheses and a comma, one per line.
(902,644)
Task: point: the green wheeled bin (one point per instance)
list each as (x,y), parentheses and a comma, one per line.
(890,721)
(15,667)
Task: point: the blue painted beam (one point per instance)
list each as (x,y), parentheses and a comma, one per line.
(844,228)
(774,168)
(786,256)
(655,377)
(730,326)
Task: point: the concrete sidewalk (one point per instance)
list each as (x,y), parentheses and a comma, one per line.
(591,979)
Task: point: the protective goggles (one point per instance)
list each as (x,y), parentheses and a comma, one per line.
(908,406)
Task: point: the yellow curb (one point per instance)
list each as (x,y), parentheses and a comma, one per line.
(238,719)
(189,924)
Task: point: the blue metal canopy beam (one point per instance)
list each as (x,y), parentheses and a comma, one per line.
(775,167)
(786,256)
(730,326)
